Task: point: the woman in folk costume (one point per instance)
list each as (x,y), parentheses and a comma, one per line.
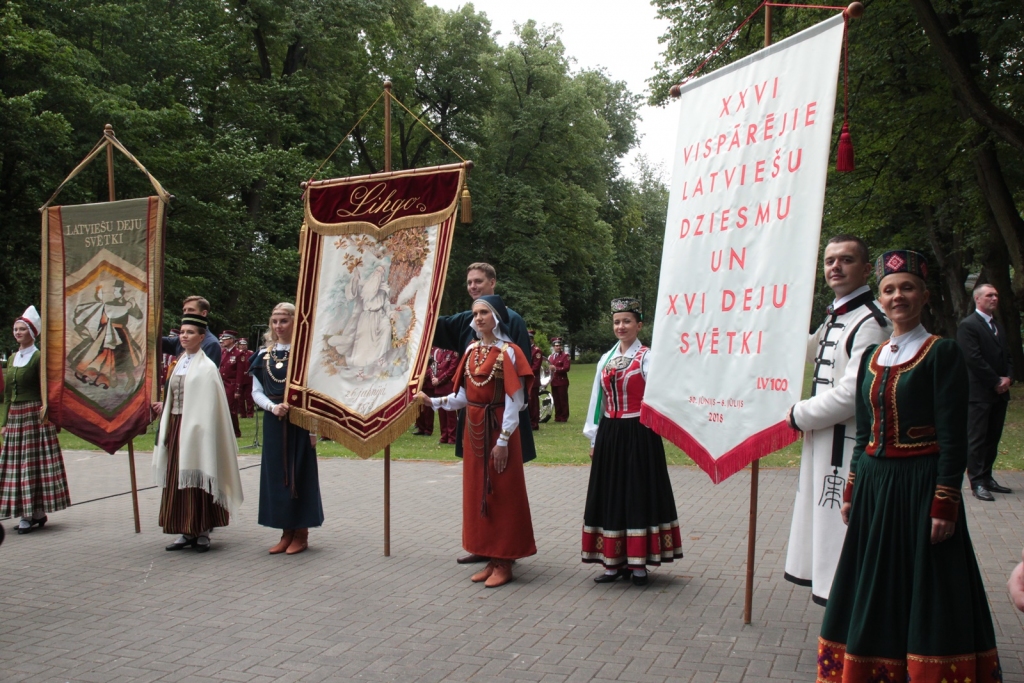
(908,602)
(289,479)
(195,460)
(32,479)
(492,383)
(630,518)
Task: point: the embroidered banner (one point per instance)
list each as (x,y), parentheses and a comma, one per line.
(740,252)
(102,306)
(374,257)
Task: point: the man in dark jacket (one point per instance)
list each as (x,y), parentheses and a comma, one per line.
(990,366)
(211,345)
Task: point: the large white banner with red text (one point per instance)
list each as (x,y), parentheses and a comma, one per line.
(741,245)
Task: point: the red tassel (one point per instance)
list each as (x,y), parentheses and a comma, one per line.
(844,157)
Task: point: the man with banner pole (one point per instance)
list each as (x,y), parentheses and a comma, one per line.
(740,252)
(853,322)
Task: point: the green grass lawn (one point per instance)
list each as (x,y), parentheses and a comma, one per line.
(564,443)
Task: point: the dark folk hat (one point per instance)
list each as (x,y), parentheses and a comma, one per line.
(627,304)
(195,319)
(901,261)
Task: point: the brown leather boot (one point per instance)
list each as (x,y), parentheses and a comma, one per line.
(484,573)
(501,575)
(282,545)
(299,542)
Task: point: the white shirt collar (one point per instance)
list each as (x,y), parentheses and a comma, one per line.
(984,316)
(851,296)
(631,351)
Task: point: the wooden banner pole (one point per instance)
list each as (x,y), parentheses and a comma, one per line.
(387,449)
(108,131)
(748,593)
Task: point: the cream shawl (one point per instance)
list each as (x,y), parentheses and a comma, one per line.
(207,449)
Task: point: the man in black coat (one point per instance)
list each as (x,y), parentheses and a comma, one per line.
(990,366)
(211,345)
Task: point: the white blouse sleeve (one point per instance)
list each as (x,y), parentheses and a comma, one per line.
(260,398)
(645,364)
(451,401)
(590,424)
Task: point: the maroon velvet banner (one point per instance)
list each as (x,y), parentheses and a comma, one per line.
(374,254)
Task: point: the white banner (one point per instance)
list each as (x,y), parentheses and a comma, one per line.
(740,253)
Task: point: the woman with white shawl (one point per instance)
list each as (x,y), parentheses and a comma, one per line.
(195,460)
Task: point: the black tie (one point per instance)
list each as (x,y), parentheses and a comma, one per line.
(992,324)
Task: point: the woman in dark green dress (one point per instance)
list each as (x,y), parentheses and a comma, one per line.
(289,479)
(908,603)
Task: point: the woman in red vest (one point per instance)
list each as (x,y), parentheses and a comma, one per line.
(630,519)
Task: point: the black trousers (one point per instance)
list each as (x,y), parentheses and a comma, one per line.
(984,429)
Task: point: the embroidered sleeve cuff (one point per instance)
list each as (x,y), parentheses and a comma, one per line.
(848,491)
(946,503)
(792,419)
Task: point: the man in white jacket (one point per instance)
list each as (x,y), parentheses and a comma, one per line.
(854,322)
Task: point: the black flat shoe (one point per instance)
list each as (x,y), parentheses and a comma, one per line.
(640,580)
(33,524)
(180,546)
(609,578)
(996,488)
(201,547)
(982,493)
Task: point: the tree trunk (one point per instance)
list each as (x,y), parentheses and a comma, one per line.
(958,69)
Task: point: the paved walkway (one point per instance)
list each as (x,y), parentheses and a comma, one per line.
(86,599)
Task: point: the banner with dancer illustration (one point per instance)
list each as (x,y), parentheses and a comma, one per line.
(740,251)
(102,306)
(374,256)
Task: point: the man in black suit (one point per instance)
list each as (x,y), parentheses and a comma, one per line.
(983,341)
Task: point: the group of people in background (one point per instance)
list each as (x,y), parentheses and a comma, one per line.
(879,532)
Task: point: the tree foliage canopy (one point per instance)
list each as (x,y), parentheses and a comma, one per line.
(231,103)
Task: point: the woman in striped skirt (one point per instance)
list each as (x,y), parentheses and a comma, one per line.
(195,460)
(32,479)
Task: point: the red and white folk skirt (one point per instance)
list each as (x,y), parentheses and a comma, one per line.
(32,477)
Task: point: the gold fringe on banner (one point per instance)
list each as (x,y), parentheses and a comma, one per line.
(364,449)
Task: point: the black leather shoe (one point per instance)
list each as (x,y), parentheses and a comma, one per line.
(981,493)
(640,580)
(609,578)
(179,546)
(202,547)
(32,525)
(996,488)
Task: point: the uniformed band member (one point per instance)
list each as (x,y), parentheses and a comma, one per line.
(246,407)
(536,361)
(438,382)
(559,361)
(232,372)
(853,322)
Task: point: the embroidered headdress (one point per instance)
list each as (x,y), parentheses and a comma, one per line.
(627,304)
(901,261)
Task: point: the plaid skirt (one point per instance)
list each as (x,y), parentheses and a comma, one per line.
(32,475)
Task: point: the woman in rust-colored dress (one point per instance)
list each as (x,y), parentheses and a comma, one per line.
(492,383)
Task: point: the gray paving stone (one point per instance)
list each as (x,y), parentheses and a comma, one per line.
(86,599)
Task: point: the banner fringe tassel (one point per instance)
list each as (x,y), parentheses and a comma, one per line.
(363,448)
(844,157)
(757,446)
(466,213)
